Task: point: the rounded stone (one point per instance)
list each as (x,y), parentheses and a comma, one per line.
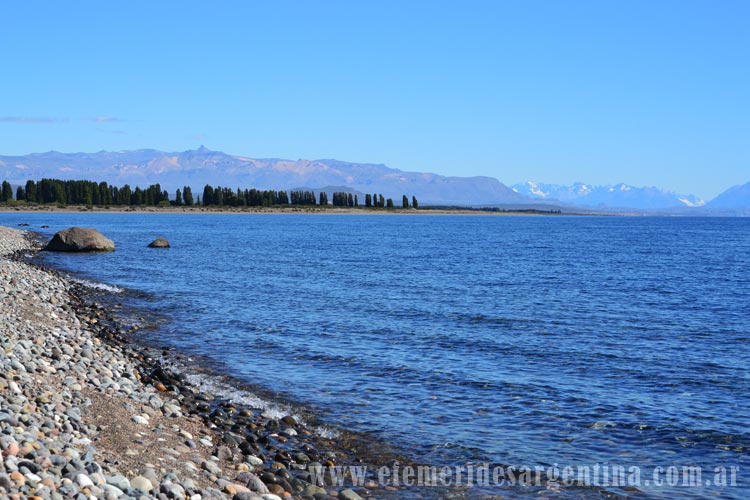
(159,243)
(80,239)
(349,494)
(141,483)
(84,481)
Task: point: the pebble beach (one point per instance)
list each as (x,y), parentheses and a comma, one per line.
(85,415)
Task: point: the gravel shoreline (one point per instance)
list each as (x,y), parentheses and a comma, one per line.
(85,415)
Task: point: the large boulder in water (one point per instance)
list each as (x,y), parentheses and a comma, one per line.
(159,243)
(80,239)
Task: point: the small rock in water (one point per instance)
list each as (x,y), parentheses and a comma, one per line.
(159,243)
(349,495)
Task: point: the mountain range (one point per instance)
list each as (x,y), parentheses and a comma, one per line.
(609,196)
(203,166)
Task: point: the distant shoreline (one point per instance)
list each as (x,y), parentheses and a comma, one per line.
(280,210)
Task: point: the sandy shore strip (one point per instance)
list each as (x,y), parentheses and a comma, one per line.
(85,415)
(292,210)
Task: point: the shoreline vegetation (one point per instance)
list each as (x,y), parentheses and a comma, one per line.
(84,411)
(81,196)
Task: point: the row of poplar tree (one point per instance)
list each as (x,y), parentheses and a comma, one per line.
(103,194)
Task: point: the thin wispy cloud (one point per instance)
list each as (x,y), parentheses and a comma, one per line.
(197,137)
(32,119)
(102,119)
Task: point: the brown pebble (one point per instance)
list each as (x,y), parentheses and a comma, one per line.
(17,477)
(230,489)
(276,489)
(290,421)
(241,489)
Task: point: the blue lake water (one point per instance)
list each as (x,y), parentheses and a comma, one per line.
(514,340)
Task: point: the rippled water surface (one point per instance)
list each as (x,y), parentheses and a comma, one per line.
(515,340)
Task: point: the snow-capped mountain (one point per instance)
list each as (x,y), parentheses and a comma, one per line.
(609,196)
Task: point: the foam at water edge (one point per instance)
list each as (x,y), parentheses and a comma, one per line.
(327,432)
(97,286)
(213,385)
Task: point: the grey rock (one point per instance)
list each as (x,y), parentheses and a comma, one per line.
(119,482)
(83,481)
(210,467)
(349,495)
(141,483)
(172,490)
(114,490)
(247,495)
(80,239)
(224,453)
(255,484)
(311,490)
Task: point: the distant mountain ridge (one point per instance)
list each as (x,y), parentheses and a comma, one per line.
(734,197)
(203,166)
(608,196)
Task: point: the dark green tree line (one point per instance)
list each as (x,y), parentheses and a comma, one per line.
(80,192)
(302,198)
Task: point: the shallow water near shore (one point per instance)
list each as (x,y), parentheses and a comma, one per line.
(529,341)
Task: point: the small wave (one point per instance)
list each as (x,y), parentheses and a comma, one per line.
(327,432)
(607,424)
(97,286)
(213,385)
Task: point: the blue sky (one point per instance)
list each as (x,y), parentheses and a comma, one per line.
(648,93)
